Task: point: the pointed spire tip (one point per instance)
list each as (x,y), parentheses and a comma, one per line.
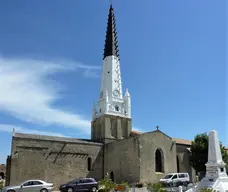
(111,42)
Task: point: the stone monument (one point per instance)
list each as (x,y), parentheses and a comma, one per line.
(216,177)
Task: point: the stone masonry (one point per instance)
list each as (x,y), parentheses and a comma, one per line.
(58,160)
(53,159)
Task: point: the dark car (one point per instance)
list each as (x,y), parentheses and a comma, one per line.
(82,184)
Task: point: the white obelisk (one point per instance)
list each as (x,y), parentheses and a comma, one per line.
(216,177)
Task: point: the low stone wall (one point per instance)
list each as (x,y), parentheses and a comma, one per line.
(143,189)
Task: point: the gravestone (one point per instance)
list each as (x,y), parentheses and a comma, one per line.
(216,177)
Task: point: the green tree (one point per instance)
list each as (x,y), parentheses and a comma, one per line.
(199,152)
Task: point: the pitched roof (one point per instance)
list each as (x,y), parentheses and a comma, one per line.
(182,141)
(54,138)
(178,141)
(136,132)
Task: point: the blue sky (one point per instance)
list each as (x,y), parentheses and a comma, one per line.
(173,61)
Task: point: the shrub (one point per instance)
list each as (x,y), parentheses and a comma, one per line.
(206,190)
(155,187)
(101,190)
(126,184)
(1,185)
(106,185)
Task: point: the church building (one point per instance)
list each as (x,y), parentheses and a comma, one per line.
(114,147)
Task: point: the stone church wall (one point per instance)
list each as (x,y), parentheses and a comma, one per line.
(148,144)
(122,159)
(183,158)
(54,159)
(2,171)
(108,128)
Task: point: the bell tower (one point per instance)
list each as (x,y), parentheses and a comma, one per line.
(112,113)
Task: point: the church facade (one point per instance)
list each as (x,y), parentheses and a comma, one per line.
(114,147)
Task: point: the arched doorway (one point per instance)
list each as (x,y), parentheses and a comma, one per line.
(2,175)
(159,161)
(178,165)
(112,176)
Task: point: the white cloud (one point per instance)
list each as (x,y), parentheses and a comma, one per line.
(27,92)
(9,129)
(137,129)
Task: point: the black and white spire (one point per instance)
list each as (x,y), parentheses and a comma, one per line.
(111,42)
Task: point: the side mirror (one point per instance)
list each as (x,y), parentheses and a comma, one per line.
(21,186)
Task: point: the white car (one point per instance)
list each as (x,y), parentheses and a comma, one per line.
(30,186)
(173,179)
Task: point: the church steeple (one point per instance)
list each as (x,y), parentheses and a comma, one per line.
(112,113)
(111,42)
(111,99)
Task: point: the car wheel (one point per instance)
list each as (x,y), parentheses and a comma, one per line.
(10,190)
(70,190)
(186,183)
(43,190)
(94,189)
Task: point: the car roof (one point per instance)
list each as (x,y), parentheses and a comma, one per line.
(35,180)
(175,173)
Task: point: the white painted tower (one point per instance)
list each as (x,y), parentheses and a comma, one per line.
(111,100)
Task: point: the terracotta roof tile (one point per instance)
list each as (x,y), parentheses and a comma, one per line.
(182,141)
(136,132)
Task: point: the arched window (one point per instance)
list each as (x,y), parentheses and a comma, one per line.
(89,164)
(159,161)
(112,176)
(178,165)
(116,108)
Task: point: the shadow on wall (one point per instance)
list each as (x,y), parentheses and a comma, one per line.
(178,164)
(95,166)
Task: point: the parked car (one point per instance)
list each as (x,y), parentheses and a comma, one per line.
(175,179)
(81,184)
(30,186)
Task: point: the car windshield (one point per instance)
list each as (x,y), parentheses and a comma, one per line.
(74,181)
(24,183)
(168,176)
